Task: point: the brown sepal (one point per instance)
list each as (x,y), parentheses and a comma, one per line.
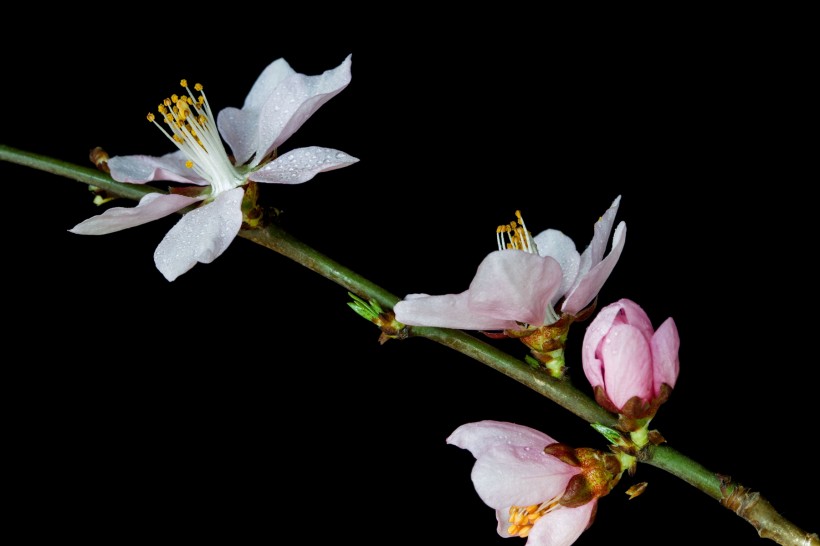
(563,452)
(577,493)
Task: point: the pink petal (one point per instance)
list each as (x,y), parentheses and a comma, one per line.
(633,314)
(480,436)
(665,345)
(138,169)
(627,366)
(268,121)
(555,244)
(447,311)
(302,164)
(515,285)
(201,235)
(595,250)
(506,475)
(151,207)
(594,335)
(562,526)
(590,283)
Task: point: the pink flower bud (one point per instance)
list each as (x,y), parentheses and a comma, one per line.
(631,367)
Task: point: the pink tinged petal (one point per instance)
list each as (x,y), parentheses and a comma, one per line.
(151,207)
(562,526)
(274,74)
(665,345)
(201,235)
(600,236)
(627,359)
(594,335)
(294,101)
(447,311)
(506,475)
(238,127)
(590,283)
(138,169)
(302,164)
(502,516)
(555,244)
(633,314)
(269,120)
(480,436)
(515,285)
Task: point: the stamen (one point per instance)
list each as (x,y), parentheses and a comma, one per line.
(522,518)
(188,125)
(517,236)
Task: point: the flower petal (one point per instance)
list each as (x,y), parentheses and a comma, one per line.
(274,74)
(555,244)
(265,123)
(447,311)
(590,283)
(302,164)
(480,436)
(138,169)
(627,359)
(201,235)
(506,475)
(515,285)
(151,207)
(665,363)
(562,526)
(600,237)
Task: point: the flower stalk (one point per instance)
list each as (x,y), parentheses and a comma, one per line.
(747,504)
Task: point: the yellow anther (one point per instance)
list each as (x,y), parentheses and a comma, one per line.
(513,530)
(198,87)
(167,102)
(525,531)
(162,110)
(183,82)
(169,118)
(178,139)
(202,119)
(189,164)
(150,116)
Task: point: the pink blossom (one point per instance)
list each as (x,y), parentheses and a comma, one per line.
(521,286)
(632,367)
(279,102)
(513,475)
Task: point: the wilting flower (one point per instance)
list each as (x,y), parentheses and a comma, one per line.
(527,487)
(632,367)
(278,104)
(520,284)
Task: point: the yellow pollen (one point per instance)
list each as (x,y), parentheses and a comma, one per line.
(183,82)
(515,236)
(198,87)
(162,110)
(150,116)
(189,164)
(174,98)
(522,518)
(167,102)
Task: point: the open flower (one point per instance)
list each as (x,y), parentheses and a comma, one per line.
(520,284)
(279,102)
(525,485)
(632,367)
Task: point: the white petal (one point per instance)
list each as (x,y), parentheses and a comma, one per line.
(480,436)
(138,169)
(201,235)
(557,245)
(302,164)
(562,526)
(506,476)
(151,207)
(273,75)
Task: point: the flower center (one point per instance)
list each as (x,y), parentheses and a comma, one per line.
(515,236)
(522,518)
(192,129)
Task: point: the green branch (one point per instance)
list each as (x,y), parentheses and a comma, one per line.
(746,504)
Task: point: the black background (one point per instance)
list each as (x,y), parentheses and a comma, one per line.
(245,399)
